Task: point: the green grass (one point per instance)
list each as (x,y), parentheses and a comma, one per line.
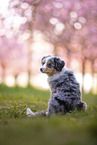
(77,128)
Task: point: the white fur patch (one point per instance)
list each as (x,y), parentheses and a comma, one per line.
(58,74)
(29,113)
(85,106)
(46,60)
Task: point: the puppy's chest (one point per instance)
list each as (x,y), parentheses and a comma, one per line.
(55,87)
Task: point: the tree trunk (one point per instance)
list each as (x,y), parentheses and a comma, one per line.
(3,73)
(92,88)
(16,79)
(68,58)
(29,70)
(55,50)
(83,73)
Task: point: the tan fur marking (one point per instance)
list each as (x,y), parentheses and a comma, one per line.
(43,62)
(50,71)
(48,62)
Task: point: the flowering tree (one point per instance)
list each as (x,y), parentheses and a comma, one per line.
(25,10)
(64,22)
(10,56)
(69,23)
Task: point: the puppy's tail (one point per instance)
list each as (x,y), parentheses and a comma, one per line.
(81,106)
(30,113)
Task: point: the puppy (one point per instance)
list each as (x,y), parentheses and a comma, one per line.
(65,90)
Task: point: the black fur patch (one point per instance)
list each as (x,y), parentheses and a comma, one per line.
(67,106)
(58,64)
(80,106)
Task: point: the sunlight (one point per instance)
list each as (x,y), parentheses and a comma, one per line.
(10,81)
(40,81)
(88,82)
(3,4)
(77,26)
(79,78)
(3,7)
(22,79)
(40,46)
(73,14)
(95,84)
(53,21)
(59,27)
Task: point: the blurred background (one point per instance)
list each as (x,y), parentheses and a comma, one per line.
(31,29)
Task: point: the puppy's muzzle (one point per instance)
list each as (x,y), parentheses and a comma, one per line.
(42,70)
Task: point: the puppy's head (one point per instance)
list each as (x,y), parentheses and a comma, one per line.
(51,65)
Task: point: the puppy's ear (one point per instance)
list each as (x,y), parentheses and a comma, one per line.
(58,64)
(45,57)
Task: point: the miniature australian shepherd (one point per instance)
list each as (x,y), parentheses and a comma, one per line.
(65,90)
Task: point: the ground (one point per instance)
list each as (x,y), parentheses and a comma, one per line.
(76,128)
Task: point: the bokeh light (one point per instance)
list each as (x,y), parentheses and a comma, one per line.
(32,29)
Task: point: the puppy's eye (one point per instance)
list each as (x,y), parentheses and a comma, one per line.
(49,64)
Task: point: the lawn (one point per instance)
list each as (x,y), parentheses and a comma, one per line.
(76,128)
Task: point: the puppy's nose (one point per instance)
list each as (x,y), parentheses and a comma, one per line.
(41,69)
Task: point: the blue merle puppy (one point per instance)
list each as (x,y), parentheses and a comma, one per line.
(65,90)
